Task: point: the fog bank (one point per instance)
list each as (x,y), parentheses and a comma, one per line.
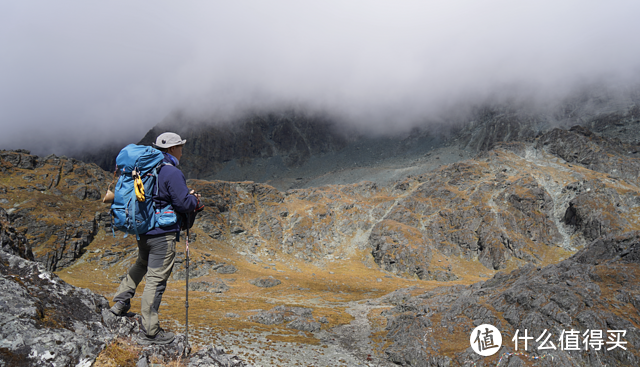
(82,74)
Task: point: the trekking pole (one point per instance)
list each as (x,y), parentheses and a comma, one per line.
(186,303)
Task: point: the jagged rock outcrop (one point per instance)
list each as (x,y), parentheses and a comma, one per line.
(598,210)
(11,241)
(623,124)
(580,146)
(87,179)
(609,113)
(400,249)
(54,201)
(570,295)
(471,210)
(46,321)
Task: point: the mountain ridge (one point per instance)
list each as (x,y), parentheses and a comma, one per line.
(296,149)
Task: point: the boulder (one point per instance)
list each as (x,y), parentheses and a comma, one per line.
(216,287)
(227,269)
(265,282)
(46,321)
(299,318)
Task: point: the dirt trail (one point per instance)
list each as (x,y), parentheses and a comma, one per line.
(344,345)
(356,336)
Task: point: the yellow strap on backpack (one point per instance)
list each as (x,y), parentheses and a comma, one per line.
(138,185)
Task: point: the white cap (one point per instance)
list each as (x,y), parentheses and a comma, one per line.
(168,140)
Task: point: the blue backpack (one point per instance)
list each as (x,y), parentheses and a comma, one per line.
(130,213)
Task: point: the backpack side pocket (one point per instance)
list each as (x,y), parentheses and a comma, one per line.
(166,217)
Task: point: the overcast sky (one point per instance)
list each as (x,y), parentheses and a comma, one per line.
(90,71)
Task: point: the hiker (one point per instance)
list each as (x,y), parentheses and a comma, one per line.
(157,247)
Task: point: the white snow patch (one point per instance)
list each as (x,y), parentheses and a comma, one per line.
(46,275)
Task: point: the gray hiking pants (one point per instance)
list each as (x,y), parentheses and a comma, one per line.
(156,255)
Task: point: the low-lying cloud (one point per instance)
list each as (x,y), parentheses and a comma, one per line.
(83,73)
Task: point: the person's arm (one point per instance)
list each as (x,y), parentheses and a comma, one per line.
(181,199)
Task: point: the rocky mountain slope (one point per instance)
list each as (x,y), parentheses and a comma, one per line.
(47,322)
(296,149)
(287,148)
(53,202)
(594,290)
(312,275)
(506,208)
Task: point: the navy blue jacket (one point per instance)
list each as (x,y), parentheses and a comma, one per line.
(172,189)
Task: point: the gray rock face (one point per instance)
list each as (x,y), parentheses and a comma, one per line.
(598,210)
(623,250)
(561,297)
(64,220)
(400,249)
(465,210)
(11,241)
(265,282)
(46,321)
(74,238)
(121,326)
(19,158)
(166,354)
(581,146)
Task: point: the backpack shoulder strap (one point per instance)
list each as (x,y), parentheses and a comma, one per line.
(156,172)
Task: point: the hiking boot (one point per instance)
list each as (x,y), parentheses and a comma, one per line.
(120,308)
(161,338)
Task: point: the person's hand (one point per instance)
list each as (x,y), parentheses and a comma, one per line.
(193,192)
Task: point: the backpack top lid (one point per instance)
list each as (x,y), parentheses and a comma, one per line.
(142,157)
